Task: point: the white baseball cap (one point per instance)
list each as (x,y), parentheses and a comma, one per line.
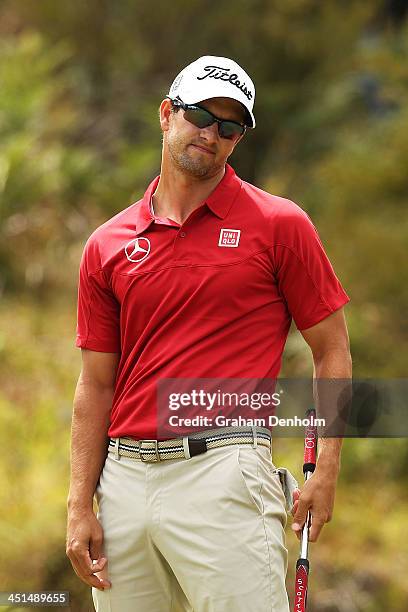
(215,77)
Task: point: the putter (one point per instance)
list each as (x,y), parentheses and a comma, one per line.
(302,565)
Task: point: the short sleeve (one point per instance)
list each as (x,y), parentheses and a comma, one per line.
(98,313)
(304,274)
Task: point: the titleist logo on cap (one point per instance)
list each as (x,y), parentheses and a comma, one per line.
(217,72)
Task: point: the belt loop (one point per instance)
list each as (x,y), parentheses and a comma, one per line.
(255,439)
(117,456)
(186,448)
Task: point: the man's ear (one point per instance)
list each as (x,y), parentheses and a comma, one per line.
(164,114)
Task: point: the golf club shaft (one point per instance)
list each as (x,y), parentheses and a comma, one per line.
(302,565)
(304,540)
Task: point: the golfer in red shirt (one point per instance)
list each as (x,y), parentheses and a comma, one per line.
(200,279)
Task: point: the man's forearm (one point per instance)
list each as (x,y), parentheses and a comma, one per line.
(329,396)
(89,439)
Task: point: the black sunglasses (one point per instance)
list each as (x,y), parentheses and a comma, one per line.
(201,118)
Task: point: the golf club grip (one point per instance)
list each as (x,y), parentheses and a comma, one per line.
(309,462)
(302,574)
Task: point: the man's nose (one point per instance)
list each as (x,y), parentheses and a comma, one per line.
(210,133)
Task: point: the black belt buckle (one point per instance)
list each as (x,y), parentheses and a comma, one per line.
(197,446)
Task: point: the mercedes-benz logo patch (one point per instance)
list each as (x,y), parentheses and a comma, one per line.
(137,249)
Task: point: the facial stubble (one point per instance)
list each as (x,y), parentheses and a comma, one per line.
(186,160)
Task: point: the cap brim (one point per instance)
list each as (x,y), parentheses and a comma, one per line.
(251,119)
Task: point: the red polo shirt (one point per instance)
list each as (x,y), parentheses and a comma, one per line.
(212,298)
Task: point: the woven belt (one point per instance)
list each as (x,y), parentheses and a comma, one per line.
(153,451)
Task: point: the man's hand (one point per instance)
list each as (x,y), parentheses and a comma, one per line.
(84,548)
(316,495)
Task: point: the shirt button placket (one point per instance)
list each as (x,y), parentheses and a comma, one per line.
(179,251)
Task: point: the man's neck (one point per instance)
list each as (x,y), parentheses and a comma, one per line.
(178,194)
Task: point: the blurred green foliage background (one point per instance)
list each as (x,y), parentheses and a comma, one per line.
(80,86)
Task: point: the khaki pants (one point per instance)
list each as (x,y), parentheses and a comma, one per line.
(199,535)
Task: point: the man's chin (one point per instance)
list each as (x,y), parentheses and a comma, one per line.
(195,167)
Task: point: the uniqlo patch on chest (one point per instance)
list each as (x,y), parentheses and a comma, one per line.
(229,238)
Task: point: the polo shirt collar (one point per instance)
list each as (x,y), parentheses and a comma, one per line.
(219,201)
(144,215)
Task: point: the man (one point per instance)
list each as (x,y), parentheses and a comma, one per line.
(199,279)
